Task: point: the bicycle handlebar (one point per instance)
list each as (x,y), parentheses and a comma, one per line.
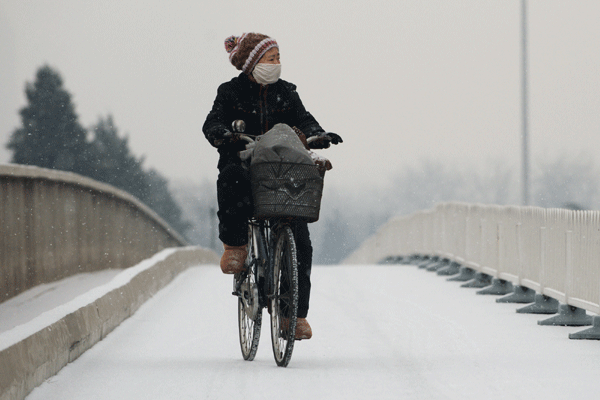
(250,139)
(239,126)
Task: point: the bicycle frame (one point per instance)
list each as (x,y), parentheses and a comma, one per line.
(260,233)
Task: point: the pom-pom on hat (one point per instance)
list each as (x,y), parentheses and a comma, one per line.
(245,51)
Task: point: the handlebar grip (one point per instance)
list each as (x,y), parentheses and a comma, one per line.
(316,137)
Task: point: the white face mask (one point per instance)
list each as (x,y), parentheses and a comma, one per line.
(265,74)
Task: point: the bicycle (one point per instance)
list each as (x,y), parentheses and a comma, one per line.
(269,280)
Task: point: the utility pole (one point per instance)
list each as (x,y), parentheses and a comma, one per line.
(524,121)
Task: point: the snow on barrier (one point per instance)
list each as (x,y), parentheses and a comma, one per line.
(32,352)
(553,252)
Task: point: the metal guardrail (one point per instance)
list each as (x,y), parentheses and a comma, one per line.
(54,224)
(555,252)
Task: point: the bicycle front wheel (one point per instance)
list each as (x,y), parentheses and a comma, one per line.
(249,308)
(249,331)
(284,300)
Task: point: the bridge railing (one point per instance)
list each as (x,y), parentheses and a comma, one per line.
(54,224)
(555,252)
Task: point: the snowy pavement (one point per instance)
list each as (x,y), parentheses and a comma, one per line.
(379,332)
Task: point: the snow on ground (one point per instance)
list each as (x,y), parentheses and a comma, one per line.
(385,332)
(33,302)
(44,305)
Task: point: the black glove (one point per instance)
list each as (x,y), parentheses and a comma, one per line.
(324,140)
(335,138)
(221,138)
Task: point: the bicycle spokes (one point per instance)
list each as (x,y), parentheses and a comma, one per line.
(249,307)
(285,297)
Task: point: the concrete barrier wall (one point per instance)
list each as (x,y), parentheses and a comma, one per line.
(37,350)
(54,224)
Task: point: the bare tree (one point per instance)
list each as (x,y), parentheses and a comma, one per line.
(567,181)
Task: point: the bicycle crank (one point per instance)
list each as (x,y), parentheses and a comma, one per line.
(249,296)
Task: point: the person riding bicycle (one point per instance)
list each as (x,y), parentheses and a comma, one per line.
(259,98)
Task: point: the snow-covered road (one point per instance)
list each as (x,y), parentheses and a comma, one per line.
(379,332)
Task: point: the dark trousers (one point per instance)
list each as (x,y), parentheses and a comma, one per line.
(234,195)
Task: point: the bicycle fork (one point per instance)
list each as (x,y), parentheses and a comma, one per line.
(253,294)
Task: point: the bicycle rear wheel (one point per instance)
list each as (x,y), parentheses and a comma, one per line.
(284,300)
(249,308)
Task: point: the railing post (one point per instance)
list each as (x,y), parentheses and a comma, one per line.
(568,264)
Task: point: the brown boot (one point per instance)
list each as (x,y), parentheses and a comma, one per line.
(232,261)
(303,330)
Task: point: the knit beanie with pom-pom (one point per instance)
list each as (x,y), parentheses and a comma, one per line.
(245,51)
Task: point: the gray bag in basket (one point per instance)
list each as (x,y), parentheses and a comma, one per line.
(285,180)
(280,144)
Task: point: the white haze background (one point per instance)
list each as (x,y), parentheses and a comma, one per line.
(400,80)
(426,94)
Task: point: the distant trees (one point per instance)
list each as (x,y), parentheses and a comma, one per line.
(349,218)
(567,182)
(422,187)
(158,197)
(338,234)
(113,163)
(51,137)
(199,205)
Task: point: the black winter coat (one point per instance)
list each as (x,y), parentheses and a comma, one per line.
(260,107)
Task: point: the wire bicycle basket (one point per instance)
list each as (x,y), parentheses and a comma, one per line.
(283,189)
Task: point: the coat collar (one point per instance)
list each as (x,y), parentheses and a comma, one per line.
(243,77)
(245,80)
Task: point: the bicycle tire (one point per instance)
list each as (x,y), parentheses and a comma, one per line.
(284,300)
(249,309)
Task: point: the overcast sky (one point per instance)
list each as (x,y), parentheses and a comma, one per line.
(400,80)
